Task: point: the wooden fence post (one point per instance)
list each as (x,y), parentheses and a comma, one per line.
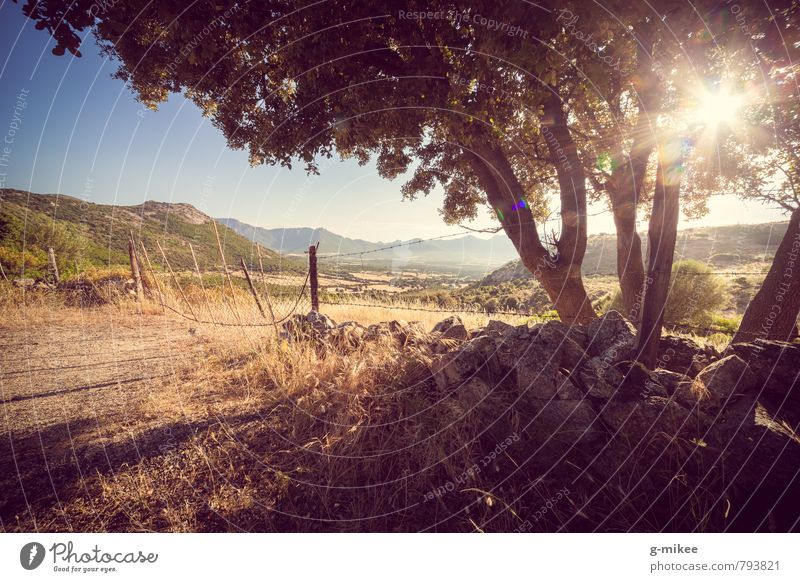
(312,277)
(252,288)
(161,296)
(53,266)
(135,272)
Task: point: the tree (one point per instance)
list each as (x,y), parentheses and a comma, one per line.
(771,54)
(473,108)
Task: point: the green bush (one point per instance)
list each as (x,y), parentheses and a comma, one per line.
(695,294)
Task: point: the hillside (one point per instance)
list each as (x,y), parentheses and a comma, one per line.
(726,248)
(468,252)
(86,235)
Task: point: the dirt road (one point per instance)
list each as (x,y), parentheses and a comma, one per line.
(81,396)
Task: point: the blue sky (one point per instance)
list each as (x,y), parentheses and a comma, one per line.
(84,134)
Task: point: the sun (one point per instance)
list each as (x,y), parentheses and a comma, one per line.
(715,108)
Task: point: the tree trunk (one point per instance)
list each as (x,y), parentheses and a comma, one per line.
(662,235)
(560,277)
(772,313)
(629,175)
(630,262)
(564,286)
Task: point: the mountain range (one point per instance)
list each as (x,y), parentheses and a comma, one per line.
(465,253)
(96,234)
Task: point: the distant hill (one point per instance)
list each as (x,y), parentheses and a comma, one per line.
(84,234)
(466,252)
(724,247)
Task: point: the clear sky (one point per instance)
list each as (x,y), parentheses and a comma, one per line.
(83,133)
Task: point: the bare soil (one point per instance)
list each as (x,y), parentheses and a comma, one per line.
(80,396)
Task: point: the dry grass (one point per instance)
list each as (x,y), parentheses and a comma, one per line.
(263,435)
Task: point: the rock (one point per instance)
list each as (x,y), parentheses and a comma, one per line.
(600,379)
(682,355)
(24,282)
(474,358)
(566,389)
(530,365)
(451,328)
(496,328)
(685,395)
(456,332)
(320,322)
(377,331)
(637,382)
(611,338)
(553,428)
(720,382)
(312,326)
(669,379)
(347,335)
(446,324)
(762,455)
(648,418)
(775,365)
(472,393)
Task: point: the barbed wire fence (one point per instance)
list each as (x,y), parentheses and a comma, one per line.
(283,301)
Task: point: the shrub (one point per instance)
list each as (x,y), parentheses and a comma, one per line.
(695,294)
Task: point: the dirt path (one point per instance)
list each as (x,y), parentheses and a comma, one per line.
(81,396)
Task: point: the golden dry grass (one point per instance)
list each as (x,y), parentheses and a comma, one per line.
(257,434)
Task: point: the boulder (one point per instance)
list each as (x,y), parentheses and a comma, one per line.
(447,323)
(314,325)
(566,388)
(474,358)
(347,335)
(473,393)
(716,385)
(611,338)
(645,419)
(684,356)
(496,328)
(551,429)
(669,380)
(599,378)
(775,365)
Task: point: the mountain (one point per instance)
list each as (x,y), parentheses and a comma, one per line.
(297,240)
(84,234)
(463,253)
(727,248)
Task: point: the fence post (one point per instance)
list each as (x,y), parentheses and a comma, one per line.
(154,278)
(312,277)
(252,288)
(135,273)
(53,266)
